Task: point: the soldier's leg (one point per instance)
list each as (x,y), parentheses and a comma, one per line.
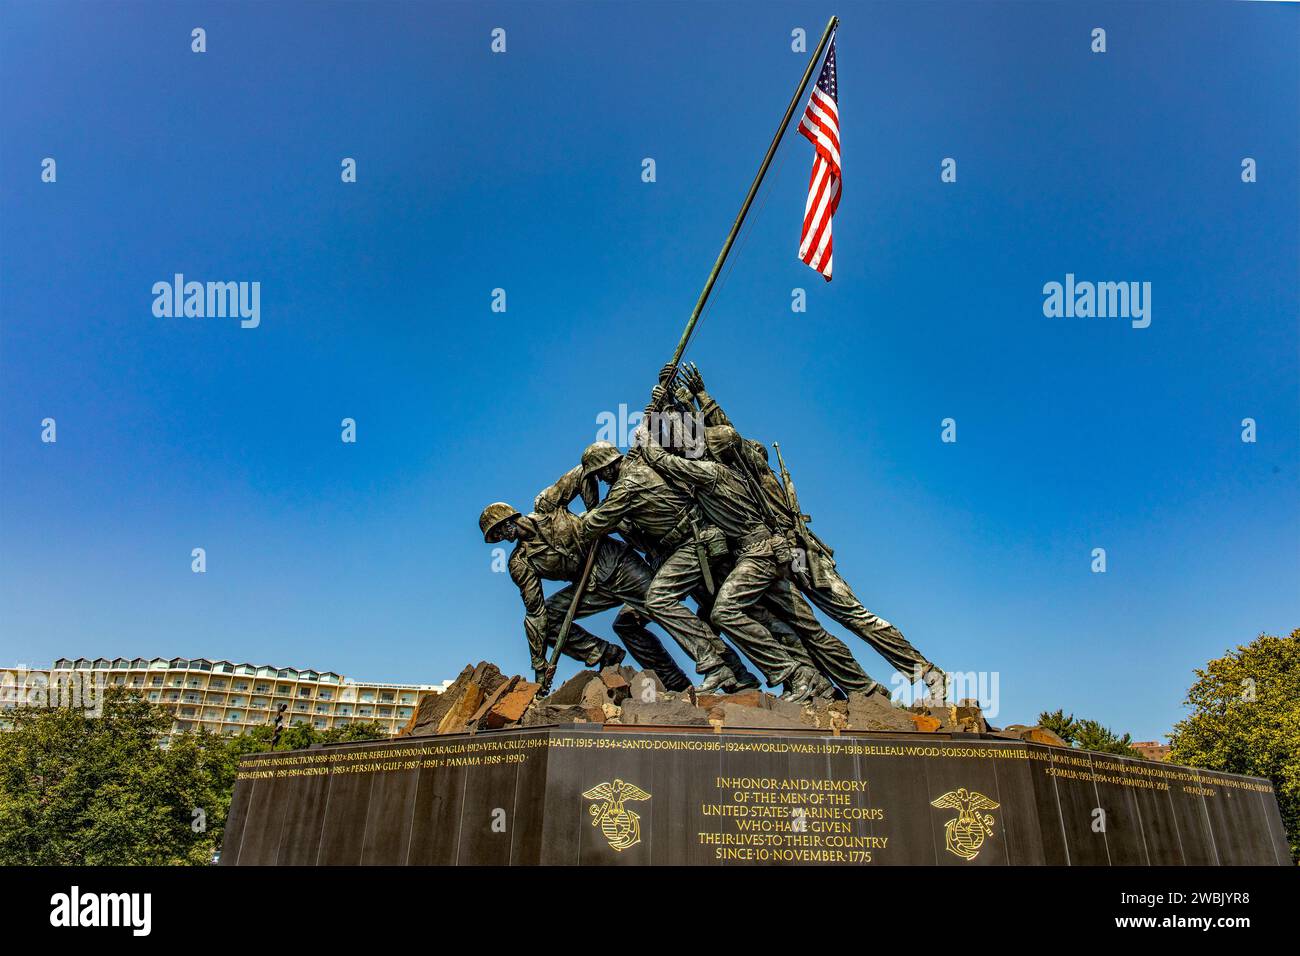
(678,575)
(783,632)
(840,604)
(744,586)
(830,655)
(648,651)
(744,679)
(581,645)
(626,580)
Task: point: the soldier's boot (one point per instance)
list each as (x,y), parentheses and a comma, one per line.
(716,679)
(831,692)
(804,684)
(746,681)
(936,685)
(725,679)
(800,681)
(824,689)
(878,689)
(741,677)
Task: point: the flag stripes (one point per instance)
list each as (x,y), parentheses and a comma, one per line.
(821,126)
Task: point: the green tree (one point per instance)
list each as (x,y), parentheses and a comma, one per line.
(1245,718)
(1093,736)
(297,737)
(1086,734)
(1063,726)
(80,789)
(354,731)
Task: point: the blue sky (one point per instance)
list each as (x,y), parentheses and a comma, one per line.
(523,171)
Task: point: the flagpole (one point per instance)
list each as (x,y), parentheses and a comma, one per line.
(581,585)
(753,190)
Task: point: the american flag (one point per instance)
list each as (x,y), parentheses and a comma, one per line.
(821,124)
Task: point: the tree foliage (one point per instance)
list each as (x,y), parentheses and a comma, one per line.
(1063,725)
(1093,736)
(1245,718)
(100,790)
(1087,734)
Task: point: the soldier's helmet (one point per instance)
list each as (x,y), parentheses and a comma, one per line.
(757,447)
(598,455)
(493,517)
(719,439)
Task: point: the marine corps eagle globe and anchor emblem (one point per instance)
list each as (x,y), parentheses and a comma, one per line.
(965,832)
(621,826)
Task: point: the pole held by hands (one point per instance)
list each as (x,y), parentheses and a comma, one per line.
(753,191)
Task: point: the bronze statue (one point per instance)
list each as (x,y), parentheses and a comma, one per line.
(548,547)
(816,575)
(664,521)
(709,521)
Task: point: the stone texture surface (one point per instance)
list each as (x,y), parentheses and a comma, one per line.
(451,711)
(673,713)
(509,709)
(738,715)
(482,698)
(1035,735)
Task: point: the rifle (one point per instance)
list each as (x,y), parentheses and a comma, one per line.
(815,570)
(579,590)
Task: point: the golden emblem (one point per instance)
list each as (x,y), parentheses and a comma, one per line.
(621,826)
(966,831)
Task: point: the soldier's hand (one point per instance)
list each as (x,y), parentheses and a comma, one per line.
(692,378)
(658,396)
(641,437)
(666,373)
(684,396)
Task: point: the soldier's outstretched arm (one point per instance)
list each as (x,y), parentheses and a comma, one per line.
(535,617)
(709,408)
(606,516)
(557,496)
(698,472)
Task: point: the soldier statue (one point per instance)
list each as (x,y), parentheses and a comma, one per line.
(664,520)
(816,575)
(548,547)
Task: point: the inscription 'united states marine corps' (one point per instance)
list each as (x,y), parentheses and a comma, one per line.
(621,826)
(965,833)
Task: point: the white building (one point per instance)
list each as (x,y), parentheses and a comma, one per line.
(228,698)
